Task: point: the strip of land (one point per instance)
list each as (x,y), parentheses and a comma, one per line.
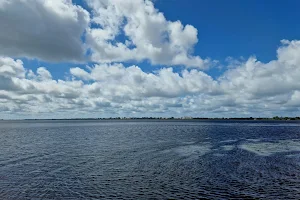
(276,118)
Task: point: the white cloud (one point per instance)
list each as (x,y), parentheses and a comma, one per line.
(245,89)
(43,74)
(10,67)
(58,30)
(132,82)
(277,77)
(149,35)
(44,29)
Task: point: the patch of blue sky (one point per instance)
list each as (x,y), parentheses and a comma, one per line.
(236,28)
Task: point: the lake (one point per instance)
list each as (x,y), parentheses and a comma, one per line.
(142,159)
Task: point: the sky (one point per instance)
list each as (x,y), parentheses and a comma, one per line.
(138,58)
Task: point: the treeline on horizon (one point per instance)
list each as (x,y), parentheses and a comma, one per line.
(179,118)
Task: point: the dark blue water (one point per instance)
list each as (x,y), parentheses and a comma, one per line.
(149,160)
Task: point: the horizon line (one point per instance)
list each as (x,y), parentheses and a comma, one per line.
(162,118)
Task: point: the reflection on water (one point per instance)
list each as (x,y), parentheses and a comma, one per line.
(142,160)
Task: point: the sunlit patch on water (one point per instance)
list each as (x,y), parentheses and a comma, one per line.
(227,147)
(228,141)
(193,150)
(253,140)
(270,148)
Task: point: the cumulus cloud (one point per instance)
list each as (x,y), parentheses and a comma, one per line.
(132,82)
(37,93)
(148,35)
(277,77)
(58,30)
(46,29)
(245,89)
(11,67)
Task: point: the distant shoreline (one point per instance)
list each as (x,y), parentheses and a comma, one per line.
(169,118)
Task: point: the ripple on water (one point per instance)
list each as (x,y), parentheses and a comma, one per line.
(165,160)
(227,147)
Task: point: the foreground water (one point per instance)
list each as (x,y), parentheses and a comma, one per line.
(149,160)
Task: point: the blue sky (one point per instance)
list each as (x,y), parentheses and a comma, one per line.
(162,57)
(237,28)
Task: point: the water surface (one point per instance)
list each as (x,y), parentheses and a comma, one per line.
(149,160)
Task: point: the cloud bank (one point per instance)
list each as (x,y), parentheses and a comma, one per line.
(113,33)
(247,88)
